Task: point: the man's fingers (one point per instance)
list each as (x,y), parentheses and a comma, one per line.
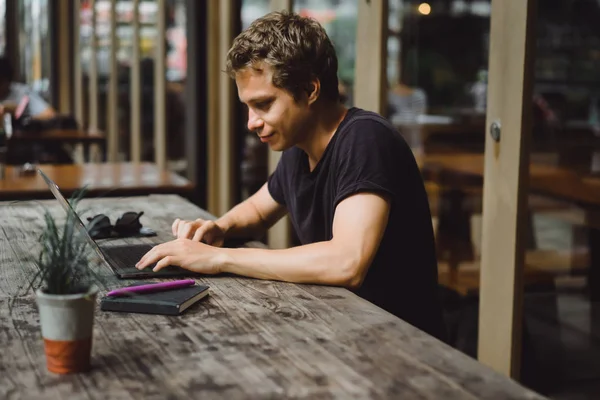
(209,238)
(219,242)
(150,257)
(185,231)
(175,226)
(165,262)
(200,233)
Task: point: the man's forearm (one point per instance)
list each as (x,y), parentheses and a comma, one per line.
(318,263)
(243,221)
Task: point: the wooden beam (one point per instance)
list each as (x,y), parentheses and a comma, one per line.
(196,97)
(93,73)
(77,73)
(221,137)
(13,51)
(75,57)
(160,92)
(64,62)
(213,72)
(136,90)
(506,181)
(280,5)
(370,82)
(112,99)
(226,115)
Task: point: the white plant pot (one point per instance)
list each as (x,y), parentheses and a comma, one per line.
(67,323)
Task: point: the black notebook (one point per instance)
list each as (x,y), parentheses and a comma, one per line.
(168,302)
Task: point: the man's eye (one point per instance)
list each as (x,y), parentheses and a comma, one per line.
(263,105)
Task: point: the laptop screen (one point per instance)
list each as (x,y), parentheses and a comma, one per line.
(67,206)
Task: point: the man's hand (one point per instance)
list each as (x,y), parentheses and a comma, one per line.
(184,253)
(199,230)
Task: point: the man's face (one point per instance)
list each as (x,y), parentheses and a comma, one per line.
(273,114)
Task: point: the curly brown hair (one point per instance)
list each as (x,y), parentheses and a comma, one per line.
(297,48)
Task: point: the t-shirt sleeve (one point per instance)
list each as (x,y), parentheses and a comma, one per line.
(276,181)
(367,160)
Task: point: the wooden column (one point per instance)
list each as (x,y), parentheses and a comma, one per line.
(196,96)
(112,104)
(77,73)
(75,57)
(226,114)
(279,234)
(135,94)
(213,110)
(160,92)
(13,52)
(93,82)
(220,136)
(370,86)
(65,71)
(506,183)
(281,5)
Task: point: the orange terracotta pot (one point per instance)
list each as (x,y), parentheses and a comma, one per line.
(67,326)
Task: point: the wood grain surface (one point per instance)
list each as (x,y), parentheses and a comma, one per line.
(59,135)
(104,179)
(248,339)
(558,182)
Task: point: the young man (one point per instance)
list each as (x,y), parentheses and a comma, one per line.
(11,94)
(347,179)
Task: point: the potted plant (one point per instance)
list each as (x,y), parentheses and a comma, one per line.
(65,293)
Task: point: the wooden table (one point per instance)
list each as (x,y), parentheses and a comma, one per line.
(445,137)
(62,136)
(561,183)
(556,182)
(104,179)
(248,339)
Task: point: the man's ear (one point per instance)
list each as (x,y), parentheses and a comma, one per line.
(313,90)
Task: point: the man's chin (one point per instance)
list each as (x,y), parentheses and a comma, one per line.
(277,146)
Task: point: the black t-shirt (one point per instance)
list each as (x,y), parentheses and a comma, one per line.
(366,154)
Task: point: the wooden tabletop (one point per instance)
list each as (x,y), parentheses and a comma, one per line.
(557,182)
(248,339)
(60,135)
(104,179)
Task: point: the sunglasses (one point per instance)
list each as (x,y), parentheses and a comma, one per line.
(128,224)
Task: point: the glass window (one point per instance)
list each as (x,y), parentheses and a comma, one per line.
(34,45)
(339,18)
(253,9)
(175,74)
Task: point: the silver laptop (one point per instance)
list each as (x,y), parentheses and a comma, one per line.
(121,259)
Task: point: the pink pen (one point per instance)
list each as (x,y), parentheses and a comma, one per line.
(152,287)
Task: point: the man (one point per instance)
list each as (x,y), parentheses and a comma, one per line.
(11,94)
(347,179)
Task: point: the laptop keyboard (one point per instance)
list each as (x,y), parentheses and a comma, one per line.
(126,256)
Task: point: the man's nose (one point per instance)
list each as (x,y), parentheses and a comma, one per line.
(254,122)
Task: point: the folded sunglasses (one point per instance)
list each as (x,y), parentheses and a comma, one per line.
(127,225)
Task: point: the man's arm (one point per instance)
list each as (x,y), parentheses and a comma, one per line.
(253,217)
(358,227)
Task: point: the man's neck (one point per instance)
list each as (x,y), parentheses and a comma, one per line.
(326,121)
